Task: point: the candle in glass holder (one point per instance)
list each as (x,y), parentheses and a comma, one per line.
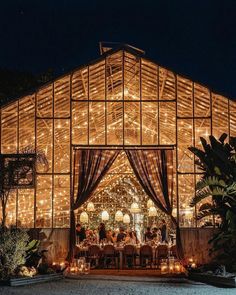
(163,267)
(177,267)
(87,268)
(193,265)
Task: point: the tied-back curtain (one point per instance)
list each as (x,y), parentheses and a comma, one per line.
(90,166)
(154,170)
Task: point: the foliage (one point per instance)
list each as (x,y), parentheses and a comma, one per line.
(217,160)
(13,243)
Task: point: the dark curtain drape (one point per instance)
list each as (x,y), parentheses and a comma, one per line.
(154,170)
(90,166)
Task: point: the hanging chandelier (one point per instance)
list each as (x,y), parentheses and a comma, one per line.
(134,208)
(83,217)
(152,212)
(119,216)
(150,203)
(126,219)
(105,215)
(90,207)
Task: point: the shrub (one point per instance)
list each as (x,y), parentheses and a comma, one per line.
(12,250)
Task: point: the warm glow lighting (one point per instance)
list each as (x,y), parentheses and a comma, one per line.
(105,215)
(134,208)
(119,216)
(126,219)
(150,203)
(152,212)
(90,207)
(83,217)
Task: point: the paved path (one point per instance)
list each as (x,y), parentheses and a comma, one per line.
(114,287)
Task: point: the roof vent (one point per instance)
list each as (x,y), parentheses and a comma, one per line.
(106,46)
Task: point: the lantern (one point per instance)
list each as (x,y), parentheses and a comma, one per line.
(83,217)
(150,203)
(90,207)
(105,215)
(126,218)
(152,212)
(119,216)
(134,208)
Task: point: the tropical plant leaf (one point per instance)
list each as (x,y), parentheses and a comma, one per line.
(223,137)
(200,195)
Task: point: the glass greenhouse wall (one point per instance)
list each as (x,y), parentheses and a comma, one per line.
(121,100)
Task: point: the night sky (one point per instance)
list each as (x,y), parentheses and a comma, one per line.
(196,38)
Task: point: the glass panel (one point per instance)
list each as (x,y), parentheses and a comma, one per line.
(61,201)
(45,141)
(149,80)
(44,99)
(97,123)
(61,145)
(167,121)
(114,122)
(132,123)
(150,123)
(185,99)
(27,122)
(11,209)
(186,188)
(185,140)
(80,122)
(202,129)
(80,84)
(25,214)
(131,77)
(114,76)
(44,201)
(9,128)
(201,101)
(232,105)
(97,81)
(219,115)
(166,84)
(62,98)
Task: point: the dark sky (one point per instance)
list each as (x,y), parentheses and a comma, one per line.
(196,38)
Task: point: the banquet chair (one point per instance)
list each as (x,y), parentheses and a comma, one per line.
(110,255)
(146,256)
(94,255)
(129,256)
(161,253)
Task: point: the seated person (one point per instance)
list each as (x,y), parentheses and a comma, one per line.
(110,236)
(121,235)
(156,235)
(148,235)
(80,233)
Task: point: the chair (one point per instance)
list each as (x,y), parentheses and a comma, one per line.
(146,255)
(161,253)
(129,255)
(94,254)
(109,255)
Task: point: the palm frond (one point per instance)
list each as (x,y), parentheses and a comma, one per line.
(200,195)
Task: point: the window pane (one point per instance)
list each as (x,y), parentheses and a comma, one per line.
(114,76)
(44,141)
(9,128)
(166,84)
(80,84)
(131,77)
(202,129)
(132,123)
(185,140)
(97,81)
(232,105)
(219,115)
(97,123)
(201,101)
(61,146)
(27,122)
(114,122)
(185,99)
(150,123)
(80,122)
(45,102)
(167,121)
(11,209)
(61,201)
(25,214)
(62,98)
(44,201)
(149,80)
